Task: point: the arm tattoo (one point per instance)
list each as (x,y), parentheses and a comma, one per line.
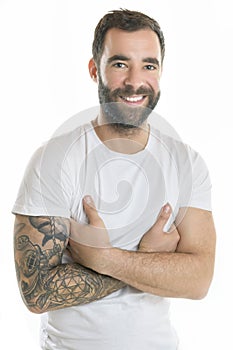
(45,283)
(51,228)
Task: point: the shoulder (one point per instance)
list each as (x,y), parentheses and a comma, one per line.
(182,153)
(58,147)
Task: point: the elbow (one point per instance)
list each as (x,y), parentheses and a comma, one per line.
(31,306)
(32,303)
(35,310)
(201,291)
(199,294)
(203,282)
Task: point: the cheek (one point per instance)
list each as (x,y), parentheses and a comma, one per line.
(115,81)
(157,86)
(155,83)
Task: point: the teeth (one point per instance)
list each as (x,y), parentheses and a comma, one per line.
(133,99)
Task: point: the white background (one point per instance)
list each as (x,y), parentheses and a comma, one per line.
(45,47)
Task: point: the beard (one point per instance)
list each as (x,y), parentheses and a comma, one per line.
(120,116)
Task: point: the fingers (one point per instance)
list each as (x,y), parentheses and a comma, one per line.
(91,212)
(163,217)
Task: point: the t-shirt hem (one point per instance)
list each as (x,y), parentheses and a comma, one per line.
(196,205)
(22,210)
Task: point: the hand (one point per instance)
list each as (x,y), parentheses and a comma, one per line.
(88,243)
(156,240)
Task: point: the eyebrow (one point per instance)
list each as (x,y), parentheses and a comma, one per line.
(117,58)
(113,58)
(153,60)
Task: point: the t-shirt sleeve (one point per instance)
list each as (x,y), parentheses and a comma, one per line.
(195,183)
(45,188)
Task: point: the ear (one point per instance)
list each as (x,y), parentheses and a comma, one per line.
(92,70)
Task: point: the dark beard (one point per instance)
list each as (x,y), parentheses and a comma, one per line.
(120,116)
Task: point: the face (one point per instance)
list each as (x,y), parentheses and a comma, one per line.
(128,76)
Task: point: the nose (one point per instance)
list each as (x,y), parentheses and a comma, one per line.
(134,78)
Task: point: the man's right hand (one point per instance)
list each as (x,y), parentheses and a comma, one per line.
(156,240)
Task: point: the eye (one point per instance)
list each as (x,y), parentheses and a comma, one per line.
(151,67)
(119,65)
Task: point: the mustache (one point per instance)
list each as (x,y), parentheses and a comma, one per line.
(129,91)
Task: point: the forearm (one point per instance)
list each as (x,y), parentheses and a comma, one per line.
(68,285)
(44,282)
(164,274)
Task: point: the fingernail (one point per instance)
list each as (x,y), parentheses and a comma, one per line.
(166,209)
(88,200)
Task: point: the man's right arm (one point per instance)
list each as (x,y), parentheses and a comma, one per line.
(44,282)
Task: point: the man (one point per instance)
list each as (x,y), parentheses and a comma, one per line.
(90,248)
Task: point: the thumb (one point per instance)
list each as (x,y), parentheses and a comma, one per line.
(91,212)
(163,216)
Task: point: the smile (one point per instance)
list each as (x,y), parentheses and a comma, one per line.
(133,99)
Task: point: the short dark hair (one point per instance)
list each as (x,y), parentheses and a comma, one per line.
(126,20)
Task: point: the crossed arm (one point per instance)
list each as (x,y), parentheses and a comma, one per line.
(185,272)
(44,282)
(158,267)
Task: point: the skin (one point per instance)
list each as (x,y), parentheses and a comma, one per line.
(188,271)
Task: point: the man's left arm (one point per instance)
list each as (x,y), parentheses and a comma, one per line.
(186,273)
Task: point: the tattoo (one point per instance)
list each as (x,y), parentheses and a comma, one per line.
(73,284)
(19,227)
(47,284)
(50,227)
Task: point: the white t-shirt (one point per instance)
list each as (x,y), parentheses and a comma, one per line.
(129,191)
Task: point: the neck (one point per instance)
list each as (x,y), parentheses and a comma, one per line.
(122,140)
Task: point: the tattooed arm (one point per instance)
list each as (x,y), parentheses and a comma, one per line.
(44,282)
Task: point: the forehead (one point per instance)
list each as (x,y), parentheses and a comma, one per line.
(140,43)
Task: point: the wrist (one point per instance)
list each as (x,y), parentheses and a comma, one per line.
(113,262)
